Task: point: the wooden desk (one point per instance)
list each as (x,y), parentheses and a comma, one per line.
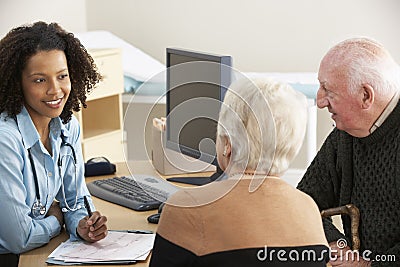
(119,217)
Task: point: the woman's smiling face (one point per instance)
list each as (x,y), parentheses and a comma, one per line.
(46,84)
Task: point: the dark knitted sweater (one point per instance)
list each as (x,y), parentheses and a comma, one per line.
(365,172)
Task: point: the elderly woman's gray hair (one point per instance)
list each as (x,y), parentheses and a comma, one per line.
(265,122)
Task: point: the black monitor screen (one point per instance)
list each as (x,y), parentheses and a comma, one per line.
(196,85)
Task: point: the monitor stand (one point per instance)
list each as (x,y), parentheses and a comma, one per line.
(197,180)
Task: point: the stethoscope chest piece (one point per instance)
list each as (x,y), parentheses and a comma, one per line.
(38,209)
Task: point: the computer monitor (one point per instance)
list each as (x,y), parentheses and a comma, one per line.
(196,86)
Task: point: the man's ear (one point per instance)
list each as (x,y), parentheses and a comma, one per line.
(368,96)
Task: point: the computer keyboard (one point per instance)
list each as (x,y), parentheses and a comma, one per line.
(140,192)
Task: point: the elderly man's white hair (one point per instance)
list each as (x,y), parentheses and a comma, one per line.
(265,121)
(364,60)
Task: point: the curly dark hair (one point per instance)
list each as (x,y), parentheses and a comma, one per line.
(23,42)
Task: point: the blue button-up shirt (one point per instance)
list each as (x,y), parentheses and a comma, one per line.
(20,231)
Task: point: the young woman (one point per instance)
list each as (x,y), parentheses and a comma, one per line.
(45,74)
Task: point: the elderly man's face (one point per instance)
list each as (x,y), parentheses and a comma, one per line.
(346,108)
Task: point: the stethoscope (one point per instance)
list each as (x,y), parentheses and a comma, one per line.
(38,209)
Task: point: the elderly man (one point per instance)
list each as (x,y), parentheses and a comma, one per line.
(359,162)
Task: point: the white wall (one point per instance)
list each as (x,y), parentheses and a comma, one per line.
(70,14)
(261,35)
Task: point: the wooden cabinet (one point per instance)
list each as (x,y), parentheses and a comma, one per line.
(101,121)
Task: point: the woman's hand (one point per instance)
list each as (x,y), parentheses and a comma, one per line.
(55,210)
(94,228)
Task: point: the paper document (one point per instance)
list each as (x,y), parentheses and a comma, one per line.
(117,247)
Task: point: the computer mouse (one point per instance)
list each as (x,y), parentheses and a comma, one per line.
(154,218)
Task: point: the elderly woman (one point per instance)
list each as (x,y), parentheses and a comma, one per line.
(252,218)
